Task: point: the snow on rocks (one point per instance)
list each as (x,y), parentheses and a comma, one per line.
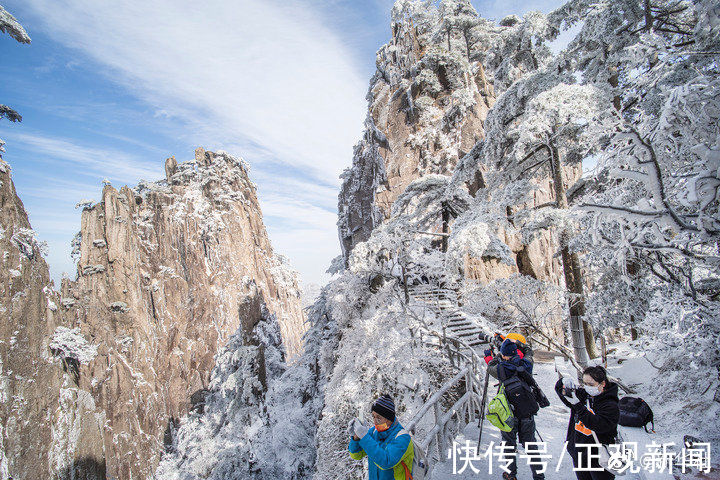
(25,239)
(70,343)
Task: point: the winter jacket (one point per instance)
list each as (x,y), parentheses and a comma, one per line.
(386,452)
(524,360)
(599,414)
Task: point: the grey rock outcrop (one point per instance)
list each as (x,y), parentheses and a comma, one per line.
(426,108)
(98,374)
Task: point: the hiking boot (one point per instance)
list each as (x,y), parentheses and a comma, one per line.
(508,476)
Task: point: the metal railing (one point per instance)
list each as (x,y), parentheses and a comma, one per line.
(466,409)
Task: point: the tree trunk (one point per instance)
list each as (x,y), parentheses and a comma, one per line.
(579,289)
(582,334)
(445,226)
(631,266)
(467,43)
(648,16)
(405,284)
(614,81)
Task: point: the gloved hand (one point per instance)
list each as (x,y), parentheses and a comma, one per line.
(360,428)
(569,383)
(351,427)
(487,353)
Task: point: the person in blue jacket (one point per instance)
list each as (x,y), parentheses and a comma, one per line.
(387,444)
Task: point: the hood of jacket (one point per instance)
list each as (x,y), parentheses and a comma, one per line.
(512,365)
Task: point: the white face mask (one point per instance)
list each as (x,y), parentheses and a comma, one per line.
(592,391)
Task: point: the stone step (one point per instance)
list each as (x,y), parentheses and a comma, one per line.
(464,328)
(462,320)
(473,333)
(464,333)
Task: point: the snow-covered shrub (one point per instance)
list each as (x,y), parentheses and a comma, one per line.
(27,243)
(228,439)
(519,302)
(376,354)
(683,340)
(476,240)
(75,246)
(70,343)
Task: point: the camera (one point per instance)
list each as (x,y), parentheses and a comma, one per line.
(485,338)
(568,392)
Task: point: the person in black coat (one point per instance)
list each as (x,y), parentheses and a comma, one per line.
(514,361)
(593,408)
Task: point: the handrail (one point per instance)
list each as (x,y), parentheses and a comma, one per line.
(446,418)
(466,407)
(436,397)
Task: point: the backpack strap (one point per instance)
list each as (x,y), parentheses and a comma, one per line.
(501,373)
(652,429)
(408,475)
(651,420)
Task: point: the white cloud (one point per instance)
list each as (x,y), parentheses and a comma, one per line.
(266,80)
(86,159)
(264,72)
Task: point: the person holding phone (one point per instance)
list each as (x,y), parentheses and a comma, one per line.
(387,444)
(594,413)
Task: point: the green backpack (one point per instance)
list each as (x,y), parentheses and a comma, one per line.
(499,412)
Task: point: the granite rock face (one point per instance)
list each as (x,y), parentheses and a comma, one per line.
(29,381)
(167,272)
(426,107)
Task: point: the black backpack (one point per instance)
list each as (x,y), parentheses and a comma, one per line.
(635,412)
(519,393)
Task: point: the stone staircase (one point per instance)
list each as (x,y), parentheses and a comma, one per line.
(444,303)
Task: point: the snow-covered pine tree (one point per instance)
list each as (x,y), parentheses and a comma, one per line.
(9,25)
(653,202)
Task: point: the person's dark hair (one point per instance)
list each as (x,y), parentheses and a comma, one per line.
(597,373)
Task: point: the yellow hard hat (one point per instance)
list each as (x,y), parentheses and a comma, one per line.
(516,336)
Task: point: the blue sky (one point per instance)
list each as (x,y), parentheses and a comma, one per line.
(111,89)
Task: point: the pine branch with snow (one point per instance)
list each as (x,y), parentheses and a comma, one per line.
(70,343)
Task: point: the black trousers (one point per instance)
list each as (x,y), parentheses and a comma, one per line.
(587,475)
(524,430)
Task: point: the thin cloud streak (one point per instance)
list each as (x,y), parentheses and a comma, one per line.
(271,74)
(103,162)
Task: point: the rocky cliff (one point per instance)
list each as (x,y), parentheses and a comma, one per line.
(29,382)
(167,272)
(426,106)
(436,81)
